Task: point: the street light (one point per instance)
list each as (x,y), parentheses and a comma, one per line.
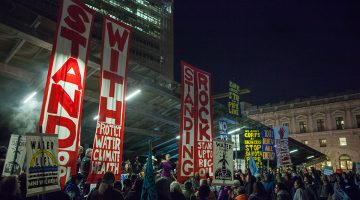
(30,97)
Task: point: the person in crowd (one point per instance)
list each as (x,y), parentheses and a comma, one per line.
(166,167)
(176,192)
(118,185)
(98,182)
(289,183)
(136,165)
(188,191)
(281,192)
(339,193)
(212,187)
(268,185)
(135,192)
(224,193)
(240,194)
(72,187)
(163,188)
(310,189)
(195,181)
(258,192)
(85,168)
(325,189)
(126,187)
(300,193)
(204,192)
(9,188)
(250,179)
(80,157)
(106,190)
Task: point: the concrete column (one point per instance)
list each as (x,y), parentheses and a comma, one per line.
(292,123)
(310,122)
(348,119)
(329,122)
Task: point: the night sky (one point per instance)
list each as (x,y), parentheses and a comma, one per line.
(280,50)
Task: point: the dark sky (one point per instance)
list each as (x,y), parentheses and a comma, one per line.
(280,50)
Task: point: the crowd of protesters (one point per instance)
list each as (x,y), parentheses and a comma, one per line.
(269,185)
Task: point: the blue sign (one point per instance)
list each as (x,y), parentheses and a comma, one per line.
(268,143)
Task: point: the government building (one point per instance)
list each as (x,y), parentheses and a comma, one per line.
(330,125)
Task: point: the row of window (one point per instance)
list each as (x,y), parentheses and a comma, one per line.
(323,143)
(320,124)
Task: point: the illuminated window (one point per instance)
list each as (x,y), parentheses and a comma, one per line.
(302,126)
(339,123)
(305,142)
(320,125)
(342,141)
(322,142)
(345,162)
(235,139)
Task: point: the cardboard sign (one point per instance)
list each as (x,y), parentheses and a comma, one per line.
(65,85)
(253,144)
(15,156)
(282,146)
(42,174)
(223,163)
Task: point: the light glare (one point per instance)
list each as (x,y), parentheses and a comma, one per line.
(30,97)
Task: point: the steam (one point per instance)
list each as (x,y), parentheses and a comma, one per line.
(25,117)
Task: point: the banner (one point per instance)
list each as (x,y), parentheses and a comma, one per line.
(282,145)
(108,140)
(223,163)
(42,174)
(234,99)
(268,142)
(223,130)
(196,124)
(253,144)
(64,90)
(15,156)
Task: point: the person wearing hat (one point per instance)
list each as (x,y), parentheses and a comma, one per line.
(106,189)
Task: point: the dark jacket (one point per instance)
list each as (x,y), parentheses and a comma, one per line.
(85,167)
(283,195)
(109,194)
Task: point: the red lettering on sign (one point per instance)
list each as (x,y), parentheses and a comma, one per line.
(114,79)
(105,113)
(59,96)
(76,18)
(115,38)
(63,73)
(53,121)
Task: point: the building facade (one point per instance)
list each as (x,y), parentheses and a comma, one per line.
(330,125)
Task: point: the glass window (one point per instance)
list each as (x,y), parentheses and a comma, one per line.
(322,142)
(302,126)
(286,124)
(320,125)
(342,141)
(345,162)
(305,142)
(235,139)
(339,123)
(358,120)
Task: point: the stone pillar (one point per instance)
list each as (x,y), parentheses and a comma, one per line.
(348,119)
(329,122)
(310,122)
(292,123)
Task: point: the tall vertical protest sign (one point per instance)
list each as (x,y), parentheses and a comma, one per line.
(223,163)
(282,145)
(15,156)
(42,174)
(234,99)
(196,124)
(64,90)
(268,142)
(108,141)
(253,144)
